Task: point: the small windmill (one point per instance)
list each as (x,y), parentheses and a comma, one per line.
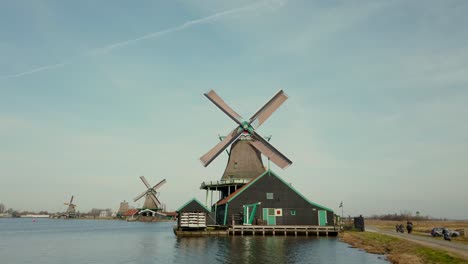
(151,200)
(246,131)
(70,213)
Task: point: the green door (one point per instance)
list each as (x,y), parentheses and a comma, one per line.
(269,216)
(322,217)
(249,213)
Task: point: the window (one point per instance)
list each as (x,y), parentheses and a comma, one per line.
(235,165)
(293,212)
(269,196)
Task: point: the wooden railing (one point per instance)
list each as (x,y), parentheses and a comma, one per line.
(276,230)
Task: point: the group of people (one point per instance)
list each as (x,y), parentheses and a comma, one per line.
(400,228)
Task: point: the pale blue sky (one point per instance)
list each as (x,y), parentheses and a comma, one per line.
(94,94)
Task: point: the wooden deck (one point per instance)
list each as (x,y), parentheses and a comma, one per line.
(261,230)
(275,230)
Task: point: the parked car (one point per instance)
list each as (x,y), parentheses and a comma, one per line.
(440,231)
(437,232)
(453,233)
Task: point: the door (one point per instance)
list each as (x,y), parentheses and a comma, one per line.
(269,216)
(249,213)
(322,217)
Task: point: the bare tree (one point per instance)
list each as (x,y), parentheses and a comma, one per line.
(95,212)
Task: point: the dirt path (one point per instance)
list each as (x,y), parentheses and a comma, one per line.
(459,249)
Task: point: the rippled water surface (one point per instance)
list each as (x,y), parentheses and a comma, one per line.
(89,241)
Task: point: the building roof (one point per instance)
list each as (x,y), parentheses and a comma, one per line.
(190,201)
(252,182)
(130,212)
(147,210)
(232,195)
(170,213)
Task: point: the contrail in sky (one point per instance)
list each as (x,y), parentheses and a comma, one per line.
(157,34)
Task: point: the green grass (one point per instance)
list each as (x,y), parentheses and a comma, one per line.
(437,256)
(399,250)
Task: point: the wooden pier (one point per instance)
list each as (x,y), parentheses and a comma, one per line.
(200,232)
(278,230)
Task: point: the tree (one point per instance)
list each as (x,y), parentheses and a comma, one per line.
(95,212)
(2,208)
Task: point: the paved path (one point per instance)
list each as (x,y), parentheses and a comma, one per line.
(438,243)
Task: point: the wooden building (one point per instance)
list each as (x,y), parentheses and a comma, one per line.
(269,200)
(193,215)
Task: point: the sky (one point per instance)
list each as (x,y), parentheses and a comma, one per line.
(94,94)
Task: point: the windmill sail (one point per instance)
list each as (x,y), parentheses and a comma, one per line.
(248,128)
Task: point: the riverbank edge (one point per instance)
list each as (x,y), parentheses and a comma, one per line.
(398,250)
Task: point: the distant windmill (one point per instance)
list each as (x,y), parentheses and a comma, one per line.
(123,207)
(70,213)
(151,200)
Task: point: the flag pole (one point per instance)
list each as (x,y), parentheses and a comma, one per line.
(341,205)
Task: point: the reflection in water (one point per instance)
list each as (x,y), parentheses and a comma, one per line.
(81,241)
(254,249)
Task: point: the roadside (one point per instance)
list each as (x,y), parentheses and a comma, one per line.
(398,249)
(457,248)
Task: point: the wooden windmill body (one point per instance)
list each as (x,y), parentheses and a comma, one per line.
(123,208)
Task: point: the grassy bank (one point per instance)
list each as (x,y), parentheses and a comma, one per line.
(398,250)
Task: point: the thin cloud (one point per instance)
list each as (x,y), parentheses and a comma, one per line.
(39,69)
(153,35)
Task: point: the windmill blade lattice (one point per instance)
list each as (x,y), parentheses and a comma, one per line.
(220,147)
(269,108)
(143,179)
(219,102)
(248,128)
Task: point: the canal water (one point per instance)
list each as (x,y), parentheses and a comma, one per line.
(99,241)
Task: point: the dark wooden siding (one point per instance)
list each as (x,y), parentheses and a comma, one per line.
(283,197)
(331,218)
(220,211)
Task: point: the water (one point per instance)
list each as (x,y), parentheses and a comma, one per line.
(88,241)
